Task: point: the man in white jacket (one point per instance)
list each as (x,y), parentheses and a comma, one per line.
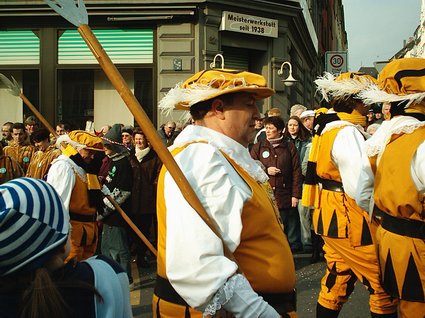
(195,278)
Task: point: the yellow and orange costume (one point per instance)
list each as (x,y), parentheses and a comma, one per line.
(40,162)
(9,168)
(395,172)
(21,153)
(330,186)
(75,187)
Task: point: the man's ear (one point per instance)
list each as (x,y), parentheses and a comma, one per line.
(217,107)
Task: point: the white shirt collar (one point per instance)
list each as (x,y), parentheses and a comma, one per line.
(397,125)
(229,146)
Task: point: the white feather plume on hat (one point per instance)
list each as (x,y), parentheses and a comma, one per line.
(331,87)
(67,140)
(375,95)
(209,84)
(187,96)
(400,80)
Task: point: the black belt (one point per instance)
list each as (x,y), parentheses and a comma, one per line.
(332,185)
(405,227)
(165,291)
(82,217)
(282,302)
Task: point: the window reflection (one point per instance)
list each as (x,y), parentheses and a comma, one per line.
(75,96)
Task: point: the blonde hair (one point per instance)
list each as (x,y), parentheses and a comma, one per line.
(274,112)
(297,108)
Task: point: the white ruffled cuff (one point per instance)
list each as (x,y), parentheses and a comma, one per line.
(237,296)
(223,295)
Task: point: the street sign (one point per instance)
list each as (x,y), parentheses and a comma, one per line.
(336,62)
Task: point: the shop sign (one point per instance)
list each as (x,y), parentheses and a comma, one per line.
(236,22)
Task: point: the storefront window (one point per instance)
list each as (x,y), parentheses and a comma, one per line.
(75,97)
(82,93)
(143,90)
(12,107)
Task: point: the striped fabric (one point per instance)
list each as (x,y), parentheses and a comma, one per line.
(33,221)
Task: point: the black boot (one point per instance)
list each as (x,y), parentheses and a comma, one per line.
(316,246)
(393,315)
(322,312)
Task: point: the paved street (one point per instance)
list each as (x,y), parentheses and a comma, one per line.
(308,282)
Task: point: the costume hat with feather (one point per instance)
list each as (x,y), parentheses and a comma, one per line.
(401,80)
(209,84)
(343,86)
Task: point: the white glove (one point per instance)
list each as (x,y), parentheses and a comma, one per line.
(108,204)
(105,190)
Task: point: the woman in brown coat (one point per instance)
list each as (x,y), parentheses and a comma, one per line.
(282,165)
(146,169)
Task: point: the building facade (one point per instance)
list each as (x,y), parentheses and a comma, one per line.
(154,44)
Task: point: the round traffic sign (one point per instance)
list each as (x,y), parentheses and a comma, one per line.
(337,60)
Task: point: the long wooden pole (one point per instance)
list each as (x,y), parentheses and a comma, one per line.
(38,114)
(149,130)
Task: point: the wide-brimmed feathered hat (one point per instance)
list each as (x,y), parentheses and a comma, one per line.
(83,139)
(400,80)
(343,86)
(209,84)
(33,223)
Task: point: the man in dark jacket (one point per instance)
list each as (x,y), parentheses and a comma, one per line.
(168,133)
(119,182)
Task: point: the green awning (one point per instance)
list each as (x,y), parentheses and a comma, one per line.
(19,47)
(129,46)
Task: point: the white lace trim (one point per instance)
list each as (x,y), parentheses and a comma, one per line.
(375,148)
(253,168)
(225,293)
(336,124)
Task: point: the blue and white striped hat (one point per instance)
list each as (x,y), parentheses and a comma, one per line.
(33,221)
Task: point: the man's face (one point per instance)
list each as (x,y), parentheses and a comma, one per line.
(30,128)
(6,132)
(42,145)
(87,154)
(127,139)
(308,122)
(19,136)
(169,129)
(60,130)
(258,123)
(239,118)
